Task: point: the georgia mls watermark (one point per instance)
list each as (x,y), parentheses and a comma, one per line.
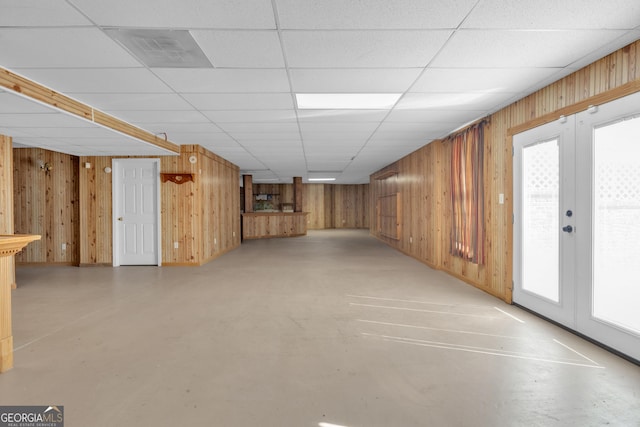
(32,416)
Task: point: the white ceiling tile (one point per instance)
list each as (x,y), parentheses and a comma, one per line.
(354,49)
(97,80)
(321,165)
(276,144)
(69,132)
(241,49)
(336,136)
(181,128)
(328,154)
(240,101)
(225,80)
(526,49)
(237,116)
(353,80)
(387,14)
(350,116)
(259,127)
(335,127)
(37,120)
(434,116)
(566,14)
(241,136)
(183,14)
(61,48)
(415,129)
(480,79)
(16,104)
(133,101)
(142,117)
(220,139)
(30,13)
(449,101)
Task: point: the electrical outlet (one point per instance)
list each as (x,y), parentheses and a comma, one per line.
(175,245)
(410,239)
(215,241)
(64,246)
(234,234)
(501,198)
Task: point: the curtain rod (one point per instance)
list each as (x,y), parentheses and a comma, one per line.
(479,122)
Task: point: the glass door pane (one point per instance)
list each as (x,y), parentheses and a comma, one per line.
(540,219)
(616,224)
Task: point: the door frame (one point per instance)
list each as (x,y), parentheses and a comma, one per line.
(116,166)
(608,333)
(611,336)
(562,311)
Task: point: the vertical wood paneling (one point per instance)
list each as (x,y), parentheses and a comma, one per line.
(423,176)
(202,216)
(46,203)
(314,204)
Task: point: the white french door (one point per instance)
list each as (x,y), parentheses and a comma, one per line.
(577,222)
(136,219)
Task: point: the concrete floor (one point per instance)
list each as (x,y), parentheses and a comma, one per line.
(334,328)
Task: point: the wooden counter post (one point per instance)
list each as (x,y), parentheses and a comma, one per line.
(297,194)
(247,183)
(9,246)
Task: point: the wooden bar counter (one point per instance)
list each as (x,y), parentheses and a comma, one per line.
(9,246)
(261,225)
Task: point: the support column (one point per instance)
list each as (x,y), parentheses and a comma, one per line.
(297,194)
(9,246)
(247,183)
(6,194)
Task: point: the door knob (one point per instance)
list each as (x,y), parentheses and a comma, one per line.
(119,218)
(567,229)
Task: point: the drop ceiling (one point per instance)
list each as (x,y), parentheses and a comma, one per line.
(453,61)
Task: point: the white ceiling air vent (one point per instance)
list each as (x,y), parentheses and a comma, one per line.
(161,48)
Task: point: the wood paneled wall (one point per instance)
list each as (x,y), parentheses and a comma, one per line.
(202,216)
(46,203)
(350,206)
(423,176)
(336,205)
(313,202)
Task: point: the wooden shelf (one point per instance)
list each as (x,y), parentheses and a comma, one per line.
(177,178)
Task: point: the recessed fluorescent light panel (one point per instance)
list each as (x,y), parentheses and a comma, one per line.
(346,101)
(322,179)
(162,48)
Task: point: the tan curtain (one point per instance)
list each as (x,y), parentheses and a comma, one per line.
(467,194)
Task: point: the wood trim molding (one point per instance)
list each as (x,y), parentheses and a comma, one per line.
(42,94)
(385,175)
(602,98)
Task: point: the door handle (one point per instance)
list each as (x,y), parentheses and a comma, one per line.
(119,218)
(567,229)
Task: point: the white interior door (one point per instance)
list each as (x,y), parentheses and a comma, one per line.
(577,223)
(136,212)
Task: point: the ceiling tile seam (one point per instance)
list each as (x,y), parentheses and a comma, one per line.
(276,17)
(416,79)
(173,91)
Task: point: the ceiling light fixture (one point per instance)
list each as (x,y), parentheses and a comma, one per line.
(322,179)
(346,101)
